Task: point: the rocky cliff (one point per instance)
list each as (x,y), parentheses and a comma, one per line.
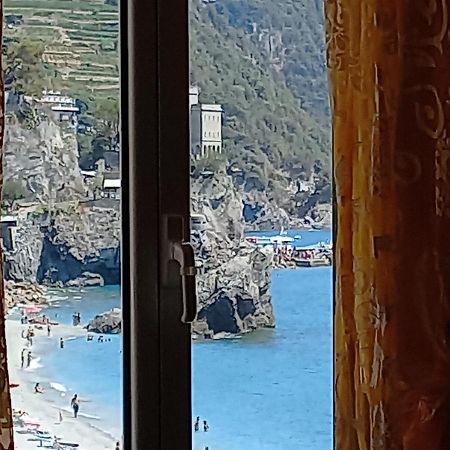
(233,286)
(81,246)
(75,246)
(233,282)
(42,162)
(60,237)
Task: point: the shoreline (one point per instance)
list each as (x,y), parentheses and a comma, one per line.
(47,407)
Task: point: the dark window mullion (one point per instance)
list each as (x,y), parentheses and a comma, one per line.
(141,313)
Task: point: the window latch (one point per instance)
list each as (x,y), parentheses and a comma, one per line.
(182,253)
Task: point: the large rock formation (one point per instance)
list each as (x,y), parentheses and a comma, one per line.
(60,237)
(79,244)
(42,162)
(233,282)
(76,246)
(22,261)
(109,322)
(233,286)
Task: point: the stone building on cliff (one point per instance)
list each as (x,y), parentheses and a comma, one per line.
(205,126)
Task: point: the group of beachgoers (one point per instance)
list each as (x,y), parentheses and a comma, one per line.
(197,425)
(21,418)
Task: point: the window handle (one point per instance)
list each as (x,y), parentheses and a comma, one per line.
(183,253)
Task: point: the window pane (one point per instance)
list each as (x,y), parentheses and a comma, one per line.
(61,221)
(261,226)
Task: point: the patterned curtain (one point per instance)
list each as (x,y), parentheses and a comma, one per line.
(389,66)
(6,422)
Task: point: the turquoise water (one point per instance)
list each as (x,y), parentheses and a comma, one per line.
(272,390)
(267,391)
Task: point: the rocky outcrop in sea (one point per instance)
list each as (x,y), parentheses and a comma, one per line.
(110,322)
(233,282)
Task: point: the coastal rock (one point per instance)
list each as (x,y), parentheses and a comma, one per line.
(233,281)
(110,322)
(78,245)
(218,200)
(87,279)
(234,296)
(23,293)
(83,240)
(22,260)
(60,235)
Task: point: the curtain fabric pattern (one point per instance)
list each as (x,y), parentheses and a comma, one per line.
(389,67)
(6,421)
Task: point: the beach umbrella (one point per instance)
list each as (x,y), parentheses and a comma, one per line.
(32,309)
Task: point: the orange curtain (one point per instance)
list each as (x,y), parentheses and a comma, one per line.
(6,423)
(389,66)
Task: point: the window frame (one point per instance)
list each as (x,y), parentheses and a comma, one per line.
(154,42)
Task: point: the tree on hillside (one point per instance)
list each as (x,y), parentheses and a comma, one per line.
(106,111)
(13,190)
(23,65)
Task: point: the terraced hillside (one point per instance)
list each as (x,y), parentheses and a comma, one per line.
(81,41)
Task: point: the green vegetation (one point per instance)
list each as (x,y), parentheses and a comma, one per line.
(13,190)
(25,69)
(80,40)
(264,61)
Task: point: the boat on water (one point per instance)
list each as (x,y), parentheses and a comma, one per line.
(270,240)
(281,239)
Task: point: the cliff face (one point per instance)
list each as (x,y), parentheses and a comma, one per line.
(81,245)
(233,282)
(44,160)
(22,262)
(61,240)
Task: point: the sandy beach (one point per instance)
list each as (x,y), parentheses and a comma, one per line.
(46,408)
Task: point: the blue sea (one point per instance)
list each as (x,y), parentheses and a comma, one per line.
(271,390)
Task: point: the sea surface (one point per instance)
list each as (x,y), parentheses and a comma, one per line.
(271,390)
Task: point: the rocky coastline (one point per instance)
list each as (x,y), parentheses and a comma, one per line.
(60,236)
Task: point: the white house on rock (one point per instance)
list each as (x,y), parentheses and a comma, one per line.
(63,107)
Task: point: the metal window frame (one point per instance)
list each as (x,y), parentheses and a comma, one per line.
(155,174)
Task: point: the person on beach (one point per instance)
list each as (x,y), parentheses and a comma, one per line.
(29,358)
(61,343)
(49,330)
(197,424)
(205,426)
(38,389)
(75,403)
(117,446)
(22,357)
(30,335)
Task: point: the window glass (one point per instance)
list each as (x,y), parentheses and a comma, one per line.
(262,342)
(61,222)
